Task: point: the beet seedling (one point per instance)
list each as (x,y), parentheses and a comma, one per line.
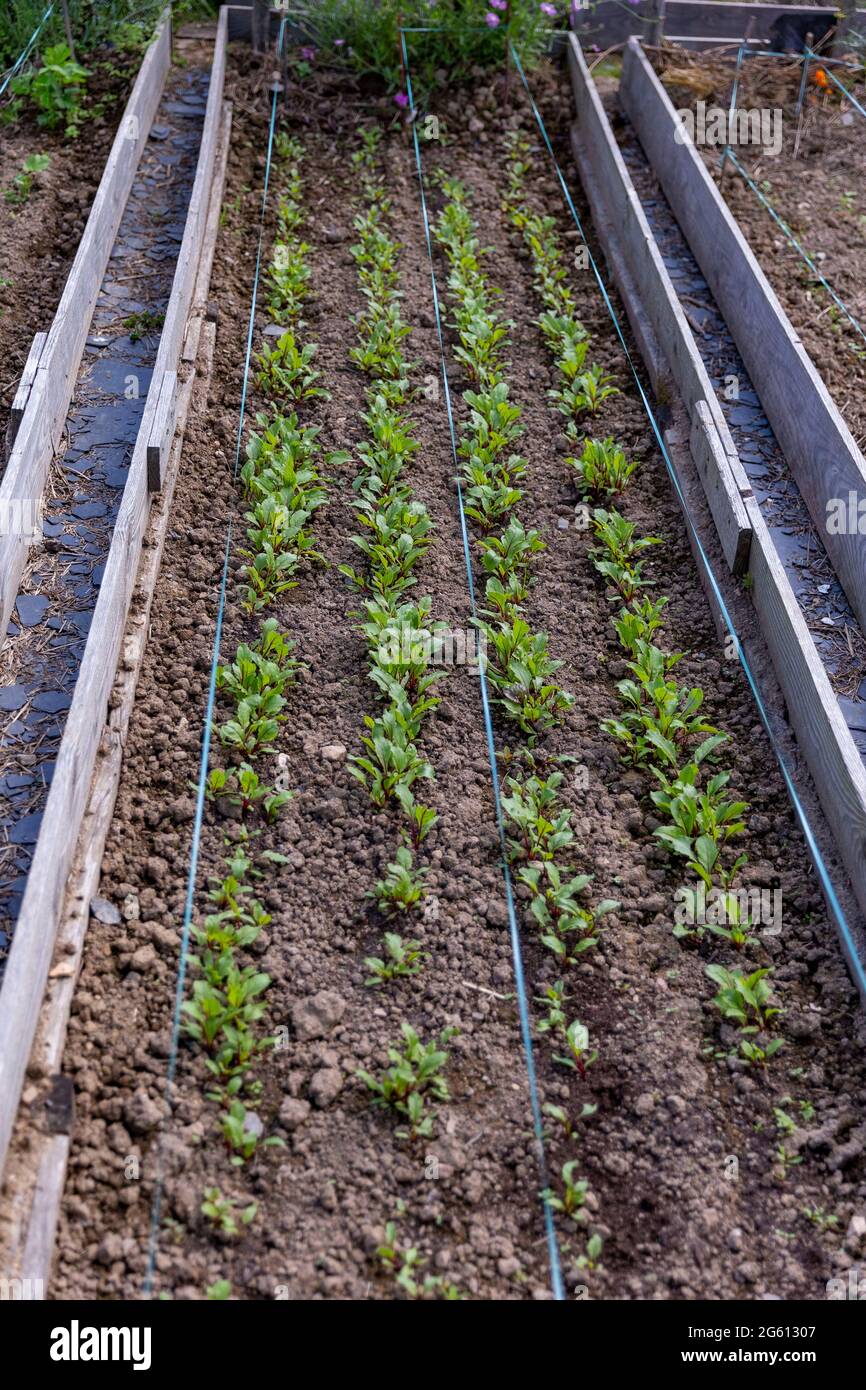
(511,553)
(243,788)
(222,1212)
(531,808)
(522,676)
(592,1259)
(288,279)
(745,999)
(559,915)
(554,1000)
(242,1136)
(286,370)
(602,469)
(562,1117)
(574,1194)
(421,818)
(578,1056)
(405,1263)
(402,887)
(414,1078)
(403,959)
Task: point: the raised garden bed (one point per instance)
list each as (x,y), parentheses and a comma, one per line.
(817,193)
(47,183)
(676,1094)
(389,987)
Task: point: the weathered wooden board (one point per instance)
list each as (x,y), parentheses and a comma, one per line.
(725,501)
(161,431)
(815,716)
(41,426)
(813,710)
(35,934)
(647,292)
(819,447)
(611,23)
(22,394)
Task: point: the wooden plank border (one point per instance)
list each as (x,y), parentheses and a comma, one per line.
(813,709)
(821,452)
(697,22)
(25,385)
(41,427)
(36,930)
(648,293)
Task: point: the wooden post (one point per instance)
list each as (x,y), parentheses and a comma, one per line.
(261,25)
(405,112)
(801,100)
(657,28)
(68,27)
(844,28)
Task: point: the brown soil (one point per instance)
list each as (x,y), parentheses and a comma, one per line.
(39,237)
(679,1218)
(819,195)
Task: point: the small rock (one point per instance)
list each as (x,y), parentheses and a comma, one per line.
(253,1124)
(293,1113)
(110,1249)
(130,908)
(735,1239)
(141,1113)
(856,1233)
(31,609)
(497,913)
(333,752)
(105,912)
(325,1086)
(143,959)
(316,1016)
(803,1026)
(645,1103)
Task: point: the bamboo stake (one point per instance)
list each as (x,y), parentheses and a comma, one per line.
(67,25)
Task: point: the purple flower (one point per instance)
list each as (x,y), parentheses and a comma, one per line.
(401,99)
(549,10)
(338,43)
(499,4)
(491,20)
(308,54)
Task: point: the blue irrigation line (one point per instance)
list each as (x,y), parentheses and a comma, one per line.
(855,963)
(733,102)
(195,847)
(793,240)
(514,932)
(807,54)
(26,50)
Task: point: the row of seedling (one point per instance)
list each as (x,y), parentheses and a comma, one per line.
(520,668)
(282,490)
(395,531)
(661,726)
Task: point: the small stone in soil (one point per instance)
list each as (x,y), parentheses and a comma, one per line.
(105,912)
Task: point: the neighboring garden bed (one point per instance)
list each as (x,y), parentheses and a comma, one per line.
(49,174)
(819,195)
(709,1173)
